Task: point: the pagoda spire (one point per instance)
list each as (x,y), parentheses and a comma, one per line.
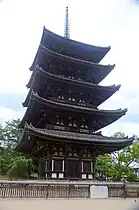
(66,30)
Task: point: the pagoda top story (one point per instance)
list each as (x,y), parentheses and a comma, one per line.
(66,47)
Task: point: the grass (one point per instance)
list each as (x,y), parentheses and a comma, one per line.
(4,177)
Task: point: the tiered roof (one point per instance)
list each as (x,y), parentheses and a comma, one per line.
(65,47)
(101,144)
(101,118)
(64,83)
(46,57)
(103,92)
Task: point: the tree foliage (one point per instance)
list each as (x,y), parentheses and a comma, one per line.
(21,168)
(11,133)
(119,165)
(11,163)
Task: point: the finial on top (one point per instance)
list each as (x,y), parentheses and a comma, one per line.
(66,30)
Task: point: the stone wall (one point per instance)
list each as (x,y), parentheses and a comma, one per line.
(67,189)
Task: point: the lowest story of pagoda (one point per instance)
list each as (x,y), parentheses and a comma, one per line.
(62,119)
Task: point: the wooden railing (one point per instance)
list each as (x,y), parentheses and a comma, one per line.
(42,190)
(50,189)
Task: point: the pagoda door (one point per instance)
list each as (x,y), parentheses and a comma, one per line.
(74,169)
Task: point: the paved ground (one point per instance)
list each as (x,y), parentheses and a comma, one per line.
(84,204)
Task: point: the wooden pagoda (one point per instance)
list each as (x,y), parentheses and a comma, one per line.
(62,120)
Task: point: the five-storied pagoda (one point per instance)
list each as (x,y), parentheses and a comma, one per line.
(62,121)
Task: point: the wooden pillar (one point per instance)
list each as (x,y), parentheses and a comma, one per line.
(63,165)
(82,166)
(52,167)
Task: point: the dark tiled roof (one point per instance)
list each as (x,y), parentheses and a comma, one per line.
(100,143)
(70,81)
(50,103)
(79,136)
(89,49)
(75,60)
(99,71)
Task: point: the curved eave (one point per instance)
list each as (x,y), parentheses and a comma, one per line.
(112,114)
(69,81)
(72,59)
(65,107)
(60,56)
(108,144)
(26,101)
(107,90)
(94,49)
(87,48)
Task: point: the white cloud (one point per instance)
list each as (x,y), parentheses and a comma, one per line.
(128,128)
(7,114)
(99,22)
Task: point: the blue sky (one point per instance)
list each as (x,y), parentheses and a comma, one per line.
(109,22)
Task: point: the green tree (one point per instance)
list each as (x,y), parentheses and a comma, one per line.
(104,165)
(11,162)
(21,168)
(11,133)
(7,158)
(1,134)
(119,164)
